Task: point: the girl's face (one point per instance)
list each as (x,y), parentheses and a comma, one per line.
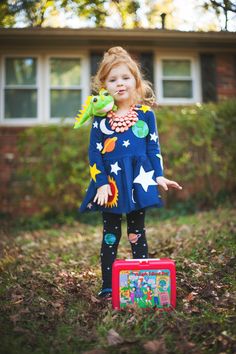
(121,84)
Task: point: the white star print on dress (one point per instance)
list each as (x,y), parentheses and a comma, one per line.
(99,146)
(95,124)
(126,143)
(115,168)
(145,179)
(154,137)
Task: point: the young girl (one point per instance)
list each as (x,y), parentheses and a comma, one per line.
(125,160)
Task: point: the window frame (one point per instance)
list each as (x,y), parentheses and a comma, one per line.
(195,77)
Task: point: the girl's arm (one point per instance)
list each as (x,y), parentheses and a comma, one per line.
(97,169)
(154,153)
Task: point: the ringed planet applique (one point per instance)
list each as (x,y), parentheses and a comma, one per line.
(112,199)
(109,145)
(140,129)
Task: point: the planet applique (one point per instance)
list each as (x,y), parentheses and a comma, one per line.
(109,145)
(113,198)
(140,129)
(110,239)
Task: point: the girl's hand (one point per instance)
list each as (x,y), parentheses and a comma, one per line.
(102,195)
(165,183)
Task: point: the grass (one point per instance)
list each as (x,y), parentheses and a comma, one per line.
(49,279)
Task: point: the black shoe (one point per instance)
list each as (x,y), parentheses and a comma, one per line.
(105,294)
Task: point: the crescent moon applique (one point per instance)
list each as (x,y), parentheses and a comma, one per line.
(104,129)
(133,196)
(161,160)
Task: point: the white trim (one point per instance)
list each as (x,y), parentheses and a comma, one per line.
(195,76)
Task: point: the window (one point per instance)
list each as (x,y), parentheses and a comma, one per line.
(65,87)
(42,88)
(178,79)
(20,91)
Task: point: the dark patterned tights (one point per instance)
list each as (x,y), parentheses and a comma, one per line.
(111,239)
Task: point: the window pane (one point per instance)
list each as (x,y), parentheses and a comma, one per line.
(177,89)
(65,72)
(65,103)
(20,103)
(176,68)
(20,71)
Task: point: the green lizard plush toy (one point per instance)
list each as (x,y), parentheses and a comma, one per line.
(95,106)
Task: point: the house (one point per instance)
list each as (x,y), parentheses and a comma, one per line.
(45,73)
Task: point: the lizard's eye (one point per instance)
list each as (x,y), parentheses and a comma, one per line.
(95,99)
(106,94)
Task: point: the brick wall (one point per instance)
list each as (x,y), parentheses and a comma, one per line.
(226,76)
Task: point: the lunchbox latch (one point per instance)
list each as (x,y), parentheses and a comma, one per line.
(144,261)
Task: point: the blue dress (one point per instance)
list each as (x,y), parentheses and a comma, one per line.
(128,161)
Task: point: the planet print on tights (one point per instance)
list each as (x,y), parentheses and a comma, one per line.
(140,129)
(110,239)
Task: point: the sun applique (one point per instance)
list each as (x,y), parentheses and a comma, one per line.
(112,199)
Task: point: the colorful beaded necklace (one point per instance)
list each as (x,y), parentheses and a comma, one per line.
(123,123)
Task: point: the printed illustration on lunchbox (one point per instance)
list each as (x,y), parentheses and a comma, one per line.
(146,288)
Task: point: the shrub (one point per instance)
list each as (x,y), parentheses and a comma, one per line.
(54,166)
(198,145)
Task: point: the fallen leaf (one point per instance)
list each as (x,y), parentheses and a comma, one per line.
(155,346)
(94,299)
(114,338)
(95,351)
(14,318)
(131,320)
(191,296)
